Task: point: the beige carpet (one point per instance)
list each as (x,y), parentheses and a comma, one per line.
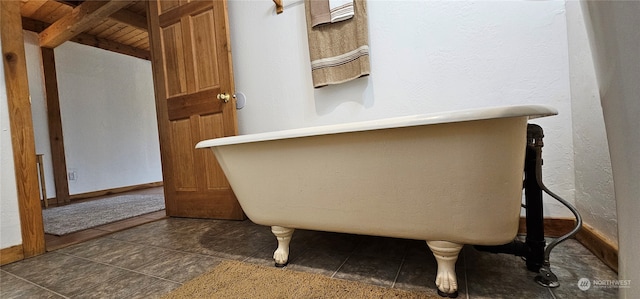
(232,279)
(80,216)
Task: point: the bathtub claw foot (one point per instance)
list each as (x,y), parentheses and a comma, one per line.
(448,295)
(446,254)
(281,255)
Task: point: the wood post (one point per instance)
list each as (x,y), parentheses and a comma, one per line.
(56,139)
(22,136)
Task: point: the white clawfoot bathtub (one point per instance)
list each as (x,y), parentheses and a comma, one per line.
(450,178)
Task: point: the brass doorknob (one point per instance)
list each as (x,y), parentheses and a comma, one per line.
(224,97)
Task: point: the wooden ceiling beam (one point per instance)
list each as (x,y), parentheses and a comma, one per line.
(130,18)
(30,7)
(81,18)
(90,40)
(109,45)
(122,16)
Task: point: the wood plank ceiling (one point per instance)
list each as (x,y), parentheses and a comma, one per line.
(117,25)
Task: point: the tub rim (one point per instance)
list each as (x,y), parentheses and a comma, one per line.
(530,111)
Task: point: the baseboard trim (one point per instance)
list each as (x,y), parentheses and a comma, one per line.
(590,238)
(599,245)
(114,191)
(553,227)
(11,254)
(80,196)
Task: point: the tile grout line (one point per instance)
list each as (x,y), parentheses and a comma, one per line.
(255,254)
(552,294)
(112,237)
(466,281)
(157,247)
(164,248)
(33,283)
(345,260)
(307,249)
(121,268)
(395,279)
(340,267)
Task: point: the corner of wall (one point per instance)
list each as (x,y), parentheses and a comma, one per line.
(595,197)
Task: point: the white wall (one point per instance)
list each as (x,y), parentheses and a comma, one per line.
(39,106)
(10,232)
(426,56)
(595,197)
(108,117)
(614,38)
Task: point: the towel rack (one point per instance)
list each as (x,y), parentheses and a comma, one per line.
(279,7)
(280,4)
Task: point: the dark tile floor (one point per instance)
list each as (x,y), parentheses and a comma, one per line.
(150,260)
(55,242)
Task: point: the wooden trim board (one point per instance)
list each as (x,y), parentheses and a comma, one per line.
(553,227)
(599,245)
(590,238)
(54,120)
(22,136)
(115,191)
(11,254)
(81,196)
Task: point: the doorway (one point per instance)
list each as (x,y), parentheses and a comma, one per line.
(129,43)
(108,119)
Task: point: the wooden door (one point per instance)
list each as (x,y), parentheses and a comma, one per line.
(191,60)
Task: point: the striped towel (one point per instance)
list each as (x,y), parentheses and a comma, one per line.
(339,52)
(340,10)
(320,13)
